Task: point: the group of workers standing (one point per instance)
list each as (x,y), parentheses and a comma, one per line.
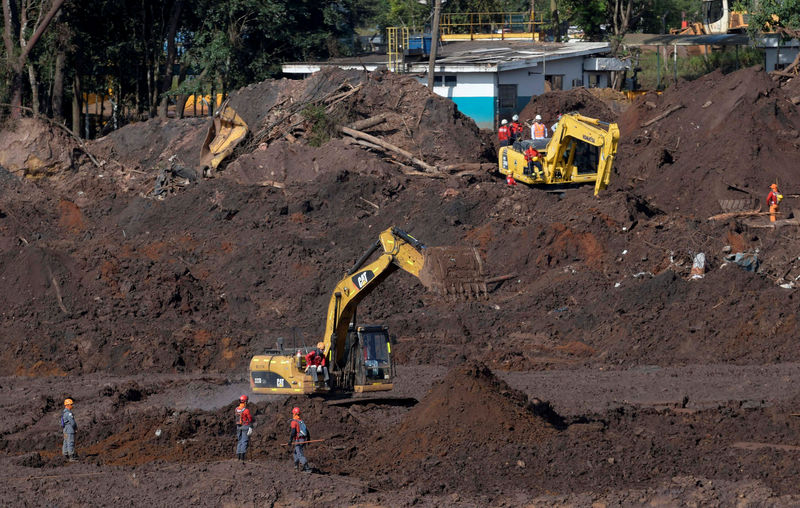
(299,434)
(508,133)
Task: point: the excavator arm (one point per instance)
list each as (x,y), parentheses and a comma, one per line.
(445,270)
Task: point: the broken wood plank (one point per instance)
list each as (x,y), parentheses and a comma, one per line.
(731,215)
(369,203)
(663,115)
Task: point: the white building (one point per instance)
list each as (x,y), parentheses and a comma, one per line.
(489,80)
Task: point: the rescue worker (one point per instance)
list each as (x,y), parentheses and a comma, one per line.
(503,133)
(515,129)
(555,125)
(244,427)
(532,157)
(773,198)
(68,426)
(510,180)
(538,129)
(298,435)
(315,364)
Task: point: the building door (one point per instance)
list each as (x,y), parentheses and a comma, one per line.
(507,101)
(556,81)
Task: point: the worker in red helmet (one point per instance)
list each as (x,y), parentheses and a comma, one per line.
(298,435)
(244,427)
(773,198)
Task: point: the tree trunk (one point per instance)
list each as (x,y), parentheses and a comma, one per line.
(34,89)
(166,84)
(76,105)
(57,100)
(180,100)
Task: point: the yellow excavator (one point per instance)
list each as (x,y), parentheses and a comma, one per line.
(359,357)
(582,150)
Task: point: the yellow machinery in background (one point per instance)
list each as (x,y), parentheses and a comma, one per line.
(582,150)
(227,129)
(359,357)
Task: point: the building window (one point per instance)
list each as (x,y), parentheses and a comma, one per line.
(556,81)
(449,80)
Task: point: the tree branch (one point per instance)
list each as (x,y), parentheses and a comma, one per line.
(23,57)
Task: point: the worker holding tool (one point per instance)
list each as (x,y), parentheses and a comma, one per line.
(298,435)
(515,129)
(244,427)
(538,129)
(773,198)
(315,364)
(555,125)
(503,133)
(68,427)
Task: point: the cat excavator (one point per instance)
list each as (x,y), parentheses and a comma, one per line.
(359,357)
(581,150)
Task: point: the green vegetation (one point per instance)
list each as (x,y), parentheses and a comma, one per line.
(692,67)
(323,127)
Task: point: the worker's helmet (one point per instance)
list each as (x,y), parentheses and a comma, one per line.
(504,122)
(67,402)
(243,398)
(296,411)
(320,345)
(538,117)
(515,117)
(559,116)
(774,186)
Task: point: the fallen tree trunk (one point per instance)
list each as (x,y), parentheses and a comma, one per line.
(392,148)
(469,166)
(663,115)
(369,122)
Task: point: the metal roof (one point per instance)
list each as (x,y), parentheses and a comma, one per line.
(471,56)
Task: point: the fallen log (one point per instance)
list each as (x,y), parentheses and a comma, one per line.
(369,122)
(469,166)
(663,115)
(730,215)
(388,146)
(408,170)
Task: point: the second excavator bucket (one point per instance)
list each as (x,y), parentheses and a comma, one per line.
(225,132)
(454,271)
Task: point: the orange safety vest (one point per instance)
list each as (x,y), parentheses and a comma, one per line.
(538,131)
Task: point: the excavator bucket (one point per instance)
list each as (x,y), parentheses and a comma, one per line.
(453,271)
(224,133)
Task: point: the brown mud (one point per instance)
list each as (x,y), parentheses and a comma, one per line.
(600,373)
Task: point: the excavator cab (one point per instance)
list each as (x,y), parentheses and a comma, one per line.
(370,349)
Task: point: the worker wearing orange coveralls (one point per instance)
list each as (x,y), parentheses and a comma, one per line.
(244,428)
(503,133)
(773,198)
(298,435)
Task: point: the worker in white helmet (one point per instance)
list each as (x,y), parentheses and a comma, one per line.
(538,129)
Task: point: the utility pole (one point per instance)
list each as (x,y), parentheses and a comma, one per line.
(434,43)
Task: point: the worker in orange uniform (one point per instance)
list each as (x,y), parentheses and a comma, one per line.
(515,129)
(244,427)
(504,133)
(773,198)
(298,435)
(532,157)
(538,129)
(510,180)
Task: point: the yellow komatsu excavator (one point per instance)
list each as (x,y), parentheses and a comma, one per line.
(581,150)
(359,357)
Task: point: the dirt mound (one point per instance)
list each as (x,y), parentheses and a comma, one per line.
(34,149)
(551,104)
(444,434)
(726,137)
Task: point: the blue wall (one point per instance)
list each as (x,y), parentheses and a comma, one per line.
(480,109)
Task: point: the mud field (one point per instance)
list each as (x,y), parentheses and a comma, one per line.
(599,373)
